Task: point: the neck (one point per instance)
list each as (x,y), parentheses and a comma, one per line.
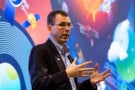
(60,43)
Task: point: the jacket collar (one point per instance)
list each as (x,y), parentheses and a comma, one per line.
(56,55)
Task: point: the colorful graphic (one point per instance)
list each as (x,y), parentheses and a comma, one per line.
(16,42)
(103,31)
(9,11)
(9,77)
(15,46)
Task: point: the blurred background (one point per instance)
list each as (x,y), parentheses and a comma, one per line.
(103,32)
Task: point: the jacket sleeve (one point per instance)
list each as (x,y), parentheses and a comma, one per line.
(86,85)
(40,77)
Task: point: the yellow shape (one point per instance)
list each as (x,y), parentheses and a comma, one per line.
(32,20)
(11,72)
(91,7)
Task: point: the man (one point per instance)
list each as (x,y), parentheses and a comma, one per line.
(52,68)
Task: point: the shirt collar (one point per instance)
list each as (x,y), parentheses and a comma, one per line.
(62,49)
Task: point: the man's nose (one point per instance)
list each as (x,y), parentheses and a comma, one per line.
(68,27)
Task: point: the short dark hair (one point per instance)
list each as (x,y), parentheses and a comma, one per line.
(51,16)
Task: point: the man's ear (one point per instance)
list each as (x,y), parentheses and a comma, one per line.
(49,27)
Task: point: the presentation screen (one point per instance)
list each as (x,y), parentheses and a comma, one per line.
(103,32)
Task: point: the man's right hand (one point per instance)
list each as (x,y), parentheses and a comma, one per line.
(79,70)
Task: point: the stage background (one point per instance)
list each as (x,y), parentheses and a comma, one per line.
(103,32)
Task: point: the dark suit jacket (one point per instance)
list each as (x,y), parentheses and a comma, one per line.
(47,70)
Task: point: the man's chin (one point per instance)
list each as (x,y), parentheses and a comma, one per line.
(64,40)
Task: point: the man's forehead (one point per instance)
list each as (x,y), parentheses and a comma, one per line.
(63,18)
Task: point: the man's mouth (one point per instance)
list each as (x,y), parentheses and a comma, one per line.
(66,35)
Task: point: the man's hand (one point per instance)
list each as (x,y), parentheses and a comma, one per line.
(79,70)
(96,77)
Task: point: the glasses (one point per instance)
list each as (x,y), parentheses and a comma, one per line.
(64,25)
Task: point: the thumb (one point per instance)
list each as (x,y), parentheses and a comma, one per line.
(96,67)
(74,61)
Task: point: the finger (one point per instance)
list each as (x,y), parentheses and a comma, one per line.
(96,67)
(86,73)
(87,69)
(106,72)
(106,75)
(85,64)
(74,61)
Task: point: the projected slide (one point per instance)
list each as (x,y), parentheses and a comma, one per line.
(15,46)
(103,31)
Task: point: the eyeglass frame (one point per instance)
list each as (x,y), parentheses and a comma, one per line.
(64,24)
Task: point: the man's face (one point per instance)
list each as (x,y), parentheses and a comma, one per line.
(60,31)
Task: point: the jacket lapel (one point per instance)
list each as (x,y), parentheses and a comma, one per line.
(56,56)
(60,62)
